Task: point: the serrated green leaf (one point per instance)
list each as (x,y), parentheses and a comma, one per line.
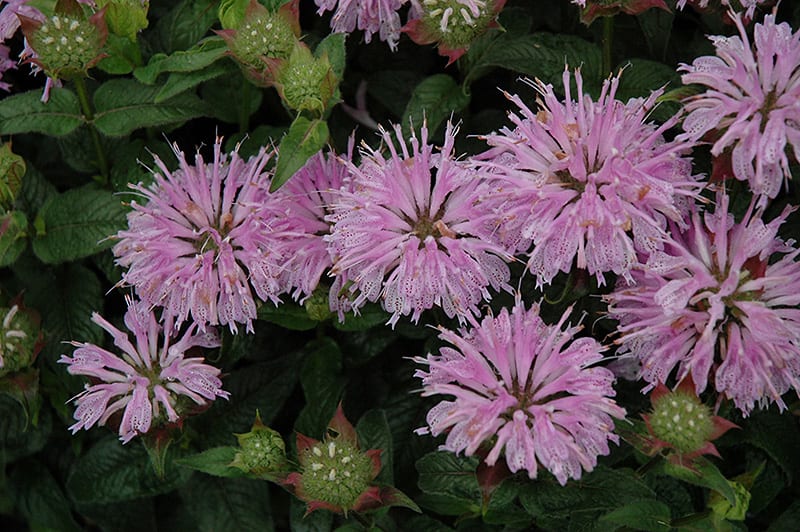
(434,100)
(760,431)
(304,138)
(13,236)
(702,473)
(231,12)
(78,223)
(640,77)
(124,516)
(221,505)
(18,436)
(656,25)
(334,46)
(214,461)
(185,24)
(448,505)
(113,472)
(178,82)
(36,190)
(198,57)
(25,113)
(539,55)
(646,514)
(323,385)
(123,106)
(448,474)
(39,498)
(374,433)
(124,55)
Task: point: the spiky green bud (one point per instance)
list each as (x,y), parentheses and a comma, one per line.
(682,420)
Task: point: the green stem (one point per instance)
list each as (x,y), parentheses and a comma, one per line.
(608,41)
(88,114)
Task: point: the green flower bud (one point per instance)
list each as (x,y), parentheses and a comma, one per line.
(263,451)
(263,33)
(12,168)
(456,23)
(682,420)
(317,306)
(336,472)
(20,336)
(305,82)
(66,45)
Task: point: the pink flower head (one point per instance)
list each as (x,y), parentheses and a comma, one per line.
(198,247)
(370,16)
(575,179)
(6,64)
(299,209)
(719,304)
(752,102)
(406,233)
(146,379)
(522,385)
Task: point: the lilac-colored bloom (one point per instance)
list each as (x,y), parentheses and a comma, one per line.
(299,209)
(752,100)
(146,379)
(199,247)
(720,303)
(370,16)
(575,179)
(6,64)
(406,232)
(749,6)
(524,388)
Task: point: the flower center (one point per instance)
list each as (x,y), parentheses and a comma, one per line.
(457,22)
(336,472)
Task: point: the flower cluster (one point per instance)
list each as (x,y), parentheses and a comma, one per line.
(148,380)
(719,303)
(752,102)
(585,179)
(525,388)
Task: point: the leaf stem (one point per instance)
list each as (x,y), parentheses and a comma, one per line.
(608,41)
(88,114)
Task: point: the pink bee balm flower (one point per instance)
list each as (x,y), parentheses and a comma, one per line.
(523,387)
(752,101)
(199,247)
(719,304)
(370,16)
(575,179)
(6,64)
(406,233)
(146,379)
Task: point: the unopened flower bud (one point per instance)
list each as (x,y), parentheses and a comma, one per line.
(318,305)
(681,420)
(262,450)
(305,82)
(12,168)
(336,472)
(20,336)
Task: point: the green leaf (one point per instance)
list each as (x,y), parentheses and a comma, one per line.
(179,82)
(448,505)
(113,472)
(540,55)
(314,522)
(434,100)
(289,315)
(645,514)
(304,139)
(198,57)
(374,433)
(36,190)
(124,55)
(77,224)
(656,25)
(214,461)
(369,316)
(787,521)
(704,474)
(185,24)
(18,436)
(323,385)
(124,105)
(723,509)
(39,498)
(502,509)
(640,77)
(231,12)
(445,473)
(125,516)
(333,46)
(760,431)
(221,505)
(13,236)
(25,113)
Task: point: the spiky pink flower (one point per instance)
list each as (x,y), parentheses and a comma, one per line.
(370,16)
(752,102)
(147,379)
(406,232)
(576,178)
(719,303)
(299,209)
(198,247)
(525,388)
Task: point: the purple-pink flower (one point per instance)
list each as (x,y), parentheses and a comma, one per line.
(198,246)
(736,6)
(751,103)
(147,378)
(370,16)
(719,303)
(524,388)
(585,179)
(406,231)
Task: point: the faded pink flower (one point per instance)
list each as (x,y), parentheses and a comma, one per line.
(6,64)
(752,102)
(525,388)
(370,16)
(719,304)
(146,379)
(406,232)
(198,247)
(587,180)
